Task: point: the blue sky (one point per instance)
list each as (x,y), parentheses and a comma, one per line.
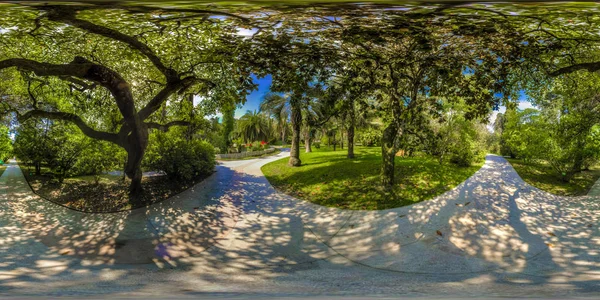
(523,104)
(253,100)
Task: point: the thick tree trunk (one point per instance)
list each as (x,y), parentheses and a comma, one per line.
(350,132)
(307,141)
(351,139)
(283,136)
(124,168)
(38,168)
(136,190)
(388,154)
(137,142)
(296,126)
(342,138)
(334,141)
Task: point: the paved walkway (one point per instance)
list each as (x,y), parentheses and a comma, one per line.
(493,235)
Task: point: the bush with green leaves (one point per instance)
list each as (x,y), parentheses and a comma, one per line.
(58,145)
(456,138)
(468,146)
(566,142)
(99,157)
(179,158)
(6,148)
(66,151)
(369,137)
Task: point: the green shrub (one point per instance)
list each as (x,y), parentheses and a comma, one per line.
(370,137)
(6,148)
(99,157)
(462,156)
(181,159)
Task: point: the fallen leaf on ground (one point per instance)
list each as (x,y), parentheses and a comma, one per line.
(467,203)
(439,233)
(551,233)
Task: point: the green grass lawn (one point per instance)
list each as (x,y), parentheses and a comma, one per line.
(329,178)
(542,177)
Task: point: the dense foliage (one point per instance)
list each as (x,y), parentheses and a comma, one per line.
(98,87)
(179,158)
(6,148)
(563,131)
(64,150)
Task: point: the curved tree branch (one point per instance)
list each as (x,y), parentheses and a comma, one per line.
(84,69)
(591,67)
(165,127)
(75,119)
(181,85)
(67,15)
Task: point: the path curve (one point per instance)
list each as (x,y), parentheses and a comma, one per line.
(234,233)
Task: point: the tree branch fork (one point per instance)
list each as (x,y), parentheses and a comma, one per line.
(82,69)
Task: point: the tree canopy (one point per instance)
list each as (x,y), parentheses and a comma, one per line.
(120,71)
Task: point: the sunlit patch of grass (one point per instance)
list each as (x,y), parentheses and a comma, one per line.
(328,178)
(2,168)
(542,176)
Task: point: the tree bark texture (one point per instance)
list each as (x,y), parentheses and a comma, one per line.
(307,141)
(351,138)
(388,154)
(296,127)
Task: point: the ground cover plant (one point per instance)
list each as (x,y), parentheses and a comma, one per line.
(106,86)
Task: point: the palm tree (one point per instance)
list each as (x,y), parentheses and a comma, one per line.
(278,107)
(282,106)
(253,126)
(313,113)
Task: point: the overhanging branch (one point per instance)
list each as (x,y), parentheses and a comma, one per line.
(179,86)
(165,127)
(84,69)
(591,67)
(67,15)
(73,118)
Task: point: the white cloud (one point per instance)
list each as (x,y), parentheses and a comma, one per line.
(523,104)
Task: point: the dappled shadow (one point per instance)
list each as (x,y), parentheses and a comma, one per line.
(490,223)
(42,241)
(236,231)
